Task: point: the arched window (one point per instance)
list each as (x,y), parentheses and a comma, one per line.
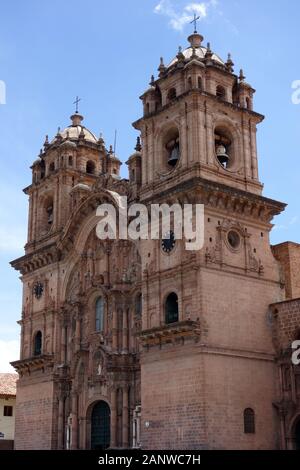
(172,94)
(248,103)
(220,92)
(249,421)
(199,83)
(99,317)
(138,305)
(90,167)
(190,84)
(171,308)
(70,160)
(51,167)
(37,344)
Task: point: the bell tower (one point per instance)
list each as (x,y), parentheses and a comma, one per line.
(67,166)
(205,332)
(198,120)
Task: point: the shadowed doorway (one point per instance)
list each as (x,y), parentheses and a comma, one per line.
(100,426)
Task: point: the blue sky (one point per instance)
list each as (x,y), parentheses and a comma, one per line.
(105,52)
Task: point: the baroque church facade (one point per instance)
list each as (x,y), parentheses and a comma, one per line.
(142,343)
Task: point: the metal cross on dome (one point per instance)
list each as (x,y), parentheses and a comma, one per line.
(76,102)
(196,18)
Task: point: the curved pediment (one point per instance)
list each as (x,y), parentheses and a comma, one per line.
(84,220)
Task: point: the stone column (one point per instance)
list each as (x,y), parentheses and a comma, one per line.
(60,424)
(113,417)
(125,418)
(210,139)
(63,343)
(106,272)
(125,331)
(30,219)
(145,161)
(77,334)
(115,329)
(246,148)
(74,443)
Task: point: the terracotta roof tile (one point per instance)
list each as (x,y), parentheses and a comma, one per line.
(8,384)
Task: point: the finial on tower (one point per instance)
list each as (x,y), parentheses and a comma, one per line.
(208,54)
(229,64)
(241,76)
(180,56)
(161,69)
(46,143)
(58,135)
(101,142)
(138,146)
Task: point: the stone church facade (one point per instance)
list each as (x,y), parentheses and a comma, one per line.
(142,343)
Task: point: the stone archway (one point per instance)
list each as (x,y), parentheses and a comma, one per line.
(100,426)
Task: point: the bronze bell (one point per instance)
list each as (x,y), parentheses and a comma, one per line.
(174,153)
(50,215)
(222,155)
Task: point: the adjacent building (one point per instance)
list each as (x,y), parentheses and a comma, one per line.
(7,410)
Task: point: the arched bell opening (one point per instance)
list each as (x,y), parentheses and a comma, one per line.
(37,344)
(171,309)
(46,208)
(224,147)
(90,167)
(171,148)
(221,92)
(172,94)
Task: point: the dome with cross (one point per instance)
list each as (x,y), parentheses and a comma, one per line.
(200,52)
(76,131)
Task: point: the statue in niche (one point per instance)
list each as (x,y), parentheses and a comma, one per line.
(99,369)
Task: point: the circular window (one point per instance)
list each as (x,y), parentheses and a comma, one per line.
(234,239)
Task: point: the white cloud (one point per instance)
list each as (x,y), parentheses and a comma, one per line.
(9,351)
(178,19)
(292,221)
